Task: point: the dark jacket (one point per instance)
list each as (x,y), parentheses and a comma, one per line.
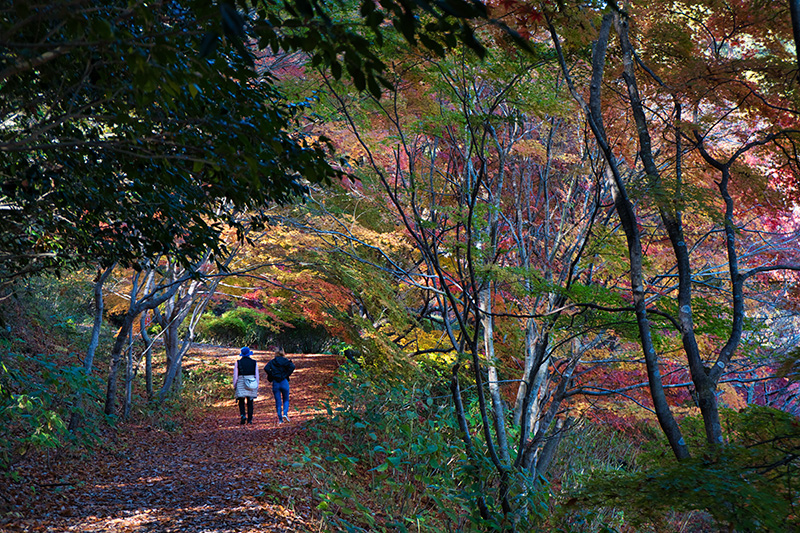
(279,369)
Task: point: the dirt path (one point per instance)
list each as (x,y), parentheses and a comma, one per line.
(215,476)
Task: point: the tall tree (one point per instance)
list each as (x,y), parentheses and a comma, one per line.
(107,104)
(486,179)
(706,65)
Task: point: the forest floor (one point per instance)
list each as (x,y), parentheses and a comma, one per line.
(212,475)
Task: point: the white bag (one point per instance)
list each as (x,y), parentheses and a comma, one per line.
(250,382)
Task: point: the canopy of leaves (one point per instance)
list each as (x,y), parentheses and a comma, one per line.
(119,141)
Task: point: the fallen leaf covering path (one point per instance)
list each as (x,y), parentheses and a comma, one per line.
(213,476)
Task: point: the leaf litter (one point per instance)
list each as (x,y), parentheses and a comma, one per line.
(213,476)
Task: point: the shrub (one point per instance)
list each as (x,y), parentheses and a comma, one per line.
(750,484)
(391,458)
(36,402)
(239,326)
(246,326)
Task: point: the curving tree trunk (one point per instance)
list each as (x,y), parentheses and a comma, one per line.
(628,221)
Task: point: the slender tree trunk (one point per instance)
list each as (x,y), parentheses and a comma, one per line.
(173,355)
(672,219)
(525,421)
(116,359)
(498,408)
(98,319)
(541,382)
(75,420)
(148,356)
(706,385)
(455,390)
(180,309)
(148,341)
(548,452)
(172,375)
(126,407)
(527,457)
(794,10)
(502,469)
(531,335)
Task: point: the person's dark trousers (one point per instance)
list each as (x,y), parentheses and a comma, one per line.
(249,410)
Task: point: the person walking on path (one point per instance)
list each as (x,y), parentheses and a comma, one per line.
(245,384)
(278,371)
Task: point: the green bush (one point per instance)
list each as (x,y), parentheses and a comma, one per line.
(37,400)
(246,326)
(240,326)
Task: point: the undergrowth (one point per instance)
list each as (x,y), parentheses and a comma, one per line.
(42,383)
(391,458)
(48,404)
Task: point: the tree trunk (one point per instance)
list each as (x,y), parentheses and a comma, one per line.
(126,407)
(455,390)
(527,457)
(116,359)
(171,348)
(75,420)
(148,341)
(148,356)
(525,420)
(541,382)
(531,336)
(498,408)
(627,217)
(98,319)
(794,10)
(548,452)
(179,309)
(148,301)
(672,219)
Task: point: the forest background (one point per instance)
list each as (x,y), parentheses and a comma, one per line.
(558,242)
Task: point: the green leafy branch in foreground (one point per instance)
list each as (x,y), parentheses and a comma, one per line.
(35,405)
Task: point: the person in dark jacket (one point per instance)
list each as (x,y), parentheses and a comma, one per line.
(278,371)
(245,384)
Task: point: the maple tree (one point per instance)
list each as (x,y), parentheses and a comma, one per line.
(480,190)
(665,206)
(147,108)
(665,169)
